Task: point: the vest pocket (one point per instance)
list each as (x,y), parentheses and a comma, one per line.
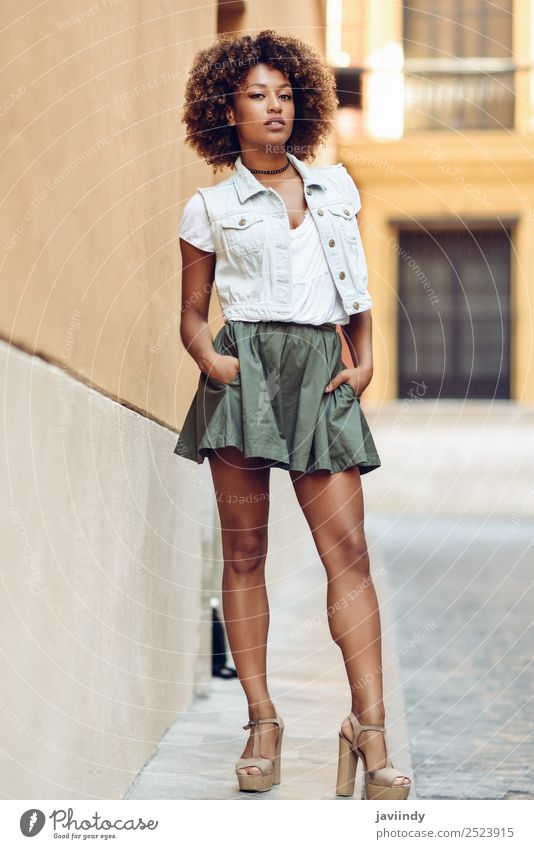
(344,221)
(243,234)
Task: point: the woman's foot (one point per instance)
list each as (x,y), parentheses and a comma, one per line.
(268,733)
(371,743)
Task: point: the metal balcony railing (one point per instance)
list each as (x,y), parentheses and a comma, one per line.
(459,94)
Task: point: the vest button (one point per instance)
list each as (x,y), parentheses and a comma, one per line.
(332,243)
(320,212)
(242,221)
(341,275)
(308,190)
(356,305)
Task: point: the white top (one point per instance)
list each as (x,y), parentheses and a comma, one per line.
(315,297)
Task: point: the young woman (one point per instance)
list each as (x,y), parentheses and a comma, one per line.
(281,242)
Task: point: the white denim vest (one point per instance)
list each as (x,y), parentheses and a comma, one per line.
(251,234)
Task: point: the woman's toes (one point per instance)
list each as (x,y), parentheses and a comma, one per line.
(401,780)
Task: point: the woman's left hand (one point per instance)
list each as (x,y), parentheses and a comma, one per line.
(359,378)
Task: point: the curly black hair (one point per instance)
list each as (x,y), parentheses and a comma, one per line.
(219,70)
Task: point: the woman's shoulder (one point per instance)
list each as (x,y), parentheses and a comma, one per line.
(195,204)
(195,225)
(195,213)
(338,175)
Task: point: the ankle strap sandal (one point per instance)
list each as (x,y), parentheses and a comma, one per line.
(378,782)
(270,767)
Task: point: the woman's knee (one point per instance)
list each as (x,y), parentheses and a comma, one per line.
(349,553)
(245,551)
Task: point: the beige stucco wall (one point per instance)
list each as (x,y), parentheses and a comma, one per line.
(106,564)
(93,178)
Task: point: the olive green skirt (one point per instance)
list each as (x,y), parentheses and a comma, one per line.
(275,408)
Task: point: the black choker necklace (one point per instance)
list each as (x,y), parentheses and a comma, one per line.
(275,171)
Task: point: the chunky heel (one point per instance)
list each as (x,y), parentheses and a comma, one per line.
(346,768)
(270,767)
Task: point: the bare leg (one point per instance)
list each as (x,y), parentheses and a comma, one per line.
(242,492)
(334,509)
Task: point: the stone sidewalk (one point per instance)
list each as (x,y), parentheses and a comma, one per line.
(195,758)
(464,598)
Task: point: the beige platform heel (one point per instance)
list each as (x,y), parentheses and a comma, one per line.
(378,782)
(270,767)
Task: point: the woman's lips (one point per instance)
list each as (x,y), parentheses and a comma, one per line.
(275,125)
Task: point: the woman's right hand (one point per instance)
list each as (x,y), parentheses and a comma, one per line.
(224,368)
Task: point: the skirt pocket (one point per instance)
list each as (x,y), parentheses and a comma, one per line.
(220,384)
(348,388)
(351,390)
(224,345)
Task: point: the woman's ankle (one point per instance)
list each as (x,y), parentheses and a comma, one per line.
(369,716)
(261,710)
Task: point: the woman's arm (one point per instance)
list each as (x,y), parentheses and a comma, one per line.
(359,335)
(358,332)
(198,271)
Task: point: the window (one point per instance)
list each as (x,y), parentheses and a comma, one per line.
(459,64)
(454,312)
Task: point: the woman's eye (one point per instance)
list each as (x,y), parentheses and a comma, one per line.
(257,94)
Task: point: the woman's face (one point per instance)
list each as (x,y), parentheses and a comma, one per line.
(263,109)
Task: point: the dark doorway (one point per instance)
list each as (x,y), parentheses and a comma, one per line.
(454,312)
